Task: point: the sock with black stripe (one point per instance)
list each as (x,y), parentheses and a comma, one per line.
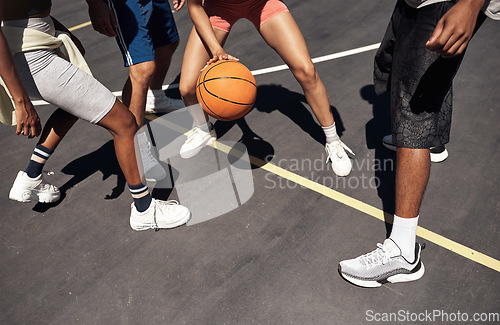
(141,196)
(38,160)
(331,133)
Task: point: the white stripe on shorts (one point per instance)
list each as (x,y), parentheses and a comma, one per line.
(120,35)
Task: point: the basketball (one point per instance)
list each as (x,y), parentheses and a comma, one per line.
(226,90)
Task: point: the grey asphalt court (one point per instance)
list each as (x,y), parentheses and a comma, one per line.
(272,257)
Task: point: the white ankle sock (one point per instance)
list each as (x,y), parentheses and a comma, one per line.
(206,127)
(404,232)
(331,133)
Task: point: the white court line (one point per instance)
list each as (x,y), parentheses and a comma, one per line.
(321,58)
(267,70)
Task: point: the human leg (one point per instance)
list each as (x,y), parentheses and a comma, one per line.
(283,35)
(147,213)
(421,104)
(195,58)
(438,154)
(165,39)
(163,58)
(80,95)
(136,88)
(156,101)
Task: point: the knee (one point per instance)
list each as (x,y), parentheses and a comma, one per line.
(129,122)
(187,90)
(306,74)
(142,73)
(128,125)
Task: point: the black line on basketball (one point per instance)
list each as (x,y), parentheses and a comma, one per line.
(205,104)
(226,100)
(236,78)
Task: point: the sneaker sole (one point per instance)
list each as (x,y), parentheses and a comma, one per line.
(155,178)
(439,157)
(389,146)
(178,223)
(26,196)
(392,279)
(342,173)
(435,157)
(193,152)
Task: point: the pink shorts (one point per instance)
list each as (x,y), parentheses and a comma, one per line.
(224,13)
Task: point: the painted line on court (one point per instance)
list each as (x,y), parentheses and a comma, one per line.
(437,239)
(80,26)
(361,206)
(262,71)
(321,58)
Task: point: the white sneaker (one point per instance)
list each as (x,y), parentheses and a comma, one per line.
(384,264)
(26,189)
(162,104)
(438,154)
(153,171)
(336,153)
(196,140)
(160,214)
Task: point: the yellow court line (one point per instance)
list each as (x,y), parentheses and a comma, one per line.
(359,205)
(79,26)
(437,239)
(426,234)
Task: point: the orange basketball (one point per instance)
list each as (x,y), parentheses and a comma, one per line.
(226,90)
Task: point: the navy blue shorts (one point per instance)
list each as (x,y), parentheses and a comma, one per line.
(143,26)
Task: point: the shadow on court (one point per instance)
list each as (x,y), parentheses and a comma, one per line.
(102,160)
(385,168)
(255,145)
(291,104)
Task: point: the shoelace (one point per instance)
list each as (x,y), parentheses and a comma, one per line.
(146,152)
(47,187)
(196,132)
(335,150)
(162,206)
(377,257)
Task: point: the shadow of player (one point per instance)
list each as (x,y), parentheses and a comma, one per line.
(102,160)
(385,162)
(291,104)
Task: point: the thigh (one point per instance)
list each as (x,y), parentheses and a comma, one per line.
(71,89)
(196,56)
(222,14)
(283,35)
(260,11)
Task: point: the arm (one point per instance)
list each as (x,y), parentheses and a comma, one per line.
(103,19)
(455,28)
(205,31)
(28,122)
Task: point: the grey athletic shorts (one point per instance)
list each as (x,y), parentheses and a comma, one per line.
(419,80)
(47,76)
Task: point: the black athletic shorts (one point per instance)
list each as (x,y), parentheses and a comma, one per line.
(419,80)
